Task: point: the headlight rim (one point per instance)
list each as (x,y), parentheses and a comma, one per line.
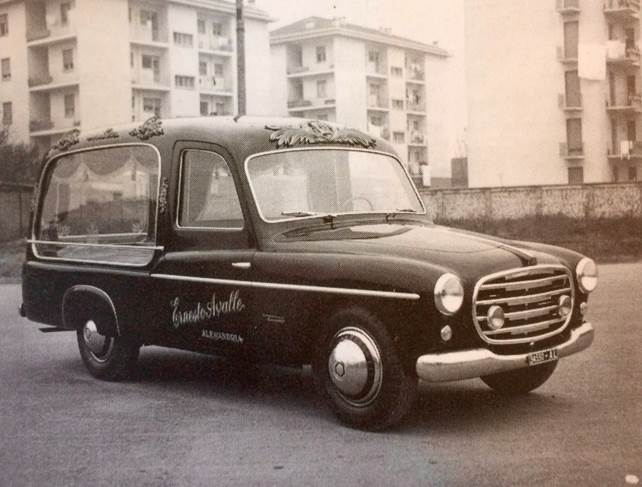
(580,274)
(439,289)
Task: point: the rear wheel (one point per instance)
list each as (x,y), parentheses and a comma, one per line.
(520,381)
(357,370)
(106,357)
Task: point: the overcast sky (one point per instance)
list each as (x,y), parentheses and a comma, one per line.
(422,20)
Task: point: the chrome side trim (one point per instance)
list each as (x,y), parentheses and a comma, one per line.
(100,245)
(291,287)
(350,149)
(468,364)
(93,290)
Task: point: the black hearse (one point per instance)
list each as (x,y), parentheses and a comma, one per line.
(294,242)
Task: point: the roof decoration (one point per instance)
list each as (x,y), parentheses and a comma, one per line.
(107,134)
(150,128)
(68,140)
(317,132)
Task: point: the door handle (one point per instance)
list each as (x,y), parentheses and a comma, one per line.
(241,265)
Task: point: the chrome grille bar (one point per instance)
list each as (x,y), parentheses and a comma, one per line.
(528,297)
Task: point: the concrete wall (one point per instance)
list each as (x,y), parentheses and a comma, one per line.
(587,201)
(15,90)
(258,68)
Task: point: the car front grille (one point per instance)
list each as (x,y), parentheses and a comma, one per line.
(529,298)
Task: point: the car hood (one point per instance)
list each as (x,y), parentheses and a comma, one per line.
(466,253)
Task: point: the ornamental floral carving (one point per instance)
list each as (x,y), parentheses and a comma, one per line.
(317,132)
(162,196)
(152,127)
(65,142)
(107,134)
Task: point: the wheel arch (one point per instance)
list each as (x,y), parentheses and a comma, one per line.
(80,297)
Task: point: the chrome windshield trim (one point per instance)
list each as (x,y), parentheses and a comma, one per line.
(291,287)
(348,149)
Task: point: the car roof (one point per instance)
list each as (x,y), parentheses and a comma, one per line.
(240,136)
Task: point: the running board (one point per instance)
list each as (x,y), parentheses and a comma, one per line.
(53,329)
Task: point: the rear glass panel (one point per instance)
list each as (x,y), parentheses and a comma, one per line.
(100,206)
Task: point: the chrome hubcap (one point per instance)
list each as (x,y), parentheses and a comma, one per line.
(355,367)
(99,346)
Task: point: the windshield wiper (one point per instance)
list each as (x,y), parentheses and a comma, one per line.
(299,214)
(399,210)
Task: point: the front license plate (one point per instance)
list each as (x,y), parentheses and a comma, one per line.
(544,356)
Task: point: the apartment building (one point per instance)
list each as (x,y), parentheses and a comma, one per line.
(368,79)
(93,63)
(553,91)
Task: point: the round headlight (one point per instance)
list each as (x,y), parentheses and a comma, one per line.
(587,275)
(449,294)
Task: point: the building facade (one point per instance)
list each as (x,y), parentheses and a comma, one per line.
(92,63)
(553,92)
(368,79)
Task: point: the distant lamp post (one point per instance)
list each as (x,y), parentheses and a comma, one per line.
(240,57)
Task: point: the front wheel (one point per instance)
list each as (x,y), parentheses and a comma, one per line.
(106,357)
(357,370)
(520,381)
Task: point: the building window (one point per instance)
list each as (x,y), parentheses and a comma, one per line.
(218,69)
(320,54)
(633,173)
(183,40)
(205,108)
(201,26)
(397,104)
(70,105)
(396,71)
(399,137)
(574,136)
(186,82)
(217,28)
(152,105)
(323,117)
(575,175)
(65,7)
(6,69)
(68,59)
(373,57)
(321,88)
(4,25)
(202,68)
(131,59)
(7,113)
(571,38)
(220,108)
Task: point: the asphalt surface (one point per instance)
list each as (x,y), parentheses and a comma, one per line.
(189,419)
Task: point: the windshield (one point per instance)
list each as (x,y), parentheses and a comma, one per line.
(302,183)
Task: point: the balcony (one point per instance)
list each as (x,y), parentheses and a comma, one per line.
(572,153)
(568,7)
(221,45)
(39,81)
(377,103)
(415,73)
(626,150)
(214,85)
(299,103)
(622,10)
(632,104)
(40,125)
(380,131)
(302,105)
(39,128)
(622,54)
(36,35)
(415,107)
(566,56)
(416,137)
(147,35)
(572,103)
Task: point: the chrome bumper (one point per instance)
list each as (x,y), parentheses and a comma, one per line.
(467,364)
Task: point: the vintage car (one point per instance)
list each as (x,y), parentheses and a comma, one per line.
(294,242)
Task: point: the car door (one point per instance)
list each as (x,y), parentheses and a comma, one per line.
(207,265)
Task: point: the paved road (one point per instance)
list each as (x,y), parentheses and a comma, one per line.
(196,420)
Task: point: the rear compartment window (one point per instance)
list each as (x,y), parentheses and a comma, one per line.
(100,206)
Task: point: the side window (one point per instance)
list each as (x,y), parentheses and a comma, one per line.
(208,197)
(100,205)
